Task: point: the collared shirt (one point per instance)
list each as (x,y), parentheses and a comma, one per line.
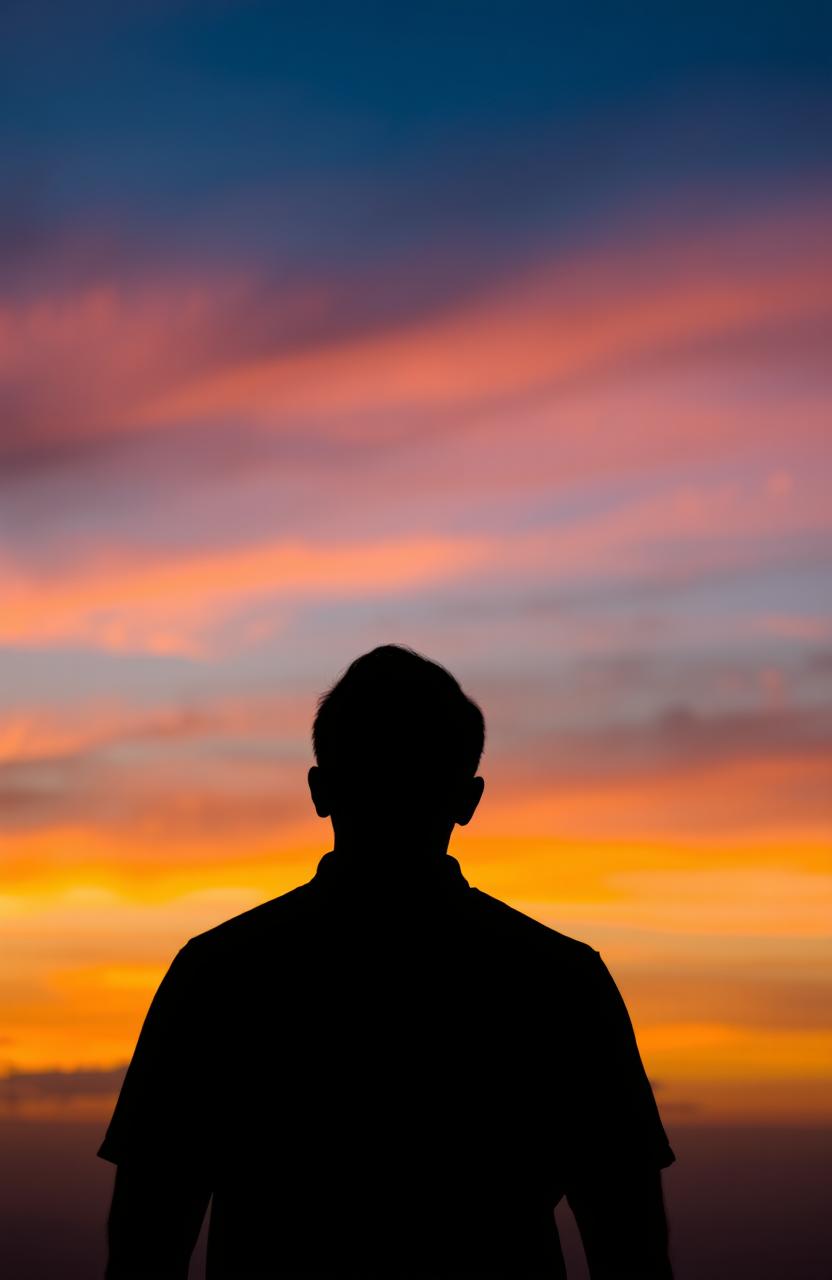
(386,1075)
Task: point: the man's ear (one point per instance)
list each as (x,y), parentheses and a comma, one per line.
(319,791)
(469,797)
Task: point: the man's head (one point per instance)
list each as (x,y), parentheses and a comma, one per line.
(396,742)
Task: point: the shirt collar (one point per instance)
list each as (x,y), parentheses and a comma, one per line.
(344,876)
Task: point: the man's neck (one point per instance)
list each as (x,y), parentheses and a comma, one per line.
(419,876)
(371,852)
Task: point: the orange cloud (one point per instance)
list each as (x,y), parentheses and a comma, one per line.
(164,603)
(586,319)
(42,732)
(169,602)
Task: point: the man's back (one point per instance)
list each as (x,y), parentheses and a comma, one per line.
(387,1075)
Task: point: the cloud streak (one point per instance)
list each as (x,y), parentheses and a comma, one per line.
(126,358)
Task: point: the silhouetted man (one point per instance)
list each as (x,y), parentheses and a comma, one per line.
(386,1072)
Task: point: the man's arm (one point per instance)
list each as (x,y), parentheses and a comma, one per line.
(623,1225)
(155,1219)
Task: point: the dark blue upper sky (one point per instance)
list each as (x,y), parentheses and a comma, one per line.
(327,132)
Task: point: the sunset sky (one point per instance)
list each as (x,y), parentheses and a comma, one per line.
(498,330)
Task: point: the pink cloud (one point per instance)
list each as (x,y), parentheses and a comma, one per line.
(126,358)
(581,321)
(164,601)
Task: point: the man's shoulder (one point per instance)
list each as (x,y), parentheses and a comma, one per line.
(515,927)
(259,924)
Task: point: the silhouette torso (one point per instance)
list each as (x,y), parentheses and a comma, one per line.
(395,1077)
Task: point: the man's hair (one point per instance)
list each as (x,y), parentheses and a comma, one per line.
(392,707)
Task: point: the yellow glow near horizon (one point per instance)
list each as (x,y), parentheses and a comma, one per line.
(87,950)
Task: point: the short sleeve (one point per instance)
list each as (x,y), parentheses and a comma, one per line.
(612,1114)
(161,1110)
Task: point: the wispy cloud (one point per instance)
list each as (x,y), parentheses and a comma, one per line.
(164,602)
(126,357)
